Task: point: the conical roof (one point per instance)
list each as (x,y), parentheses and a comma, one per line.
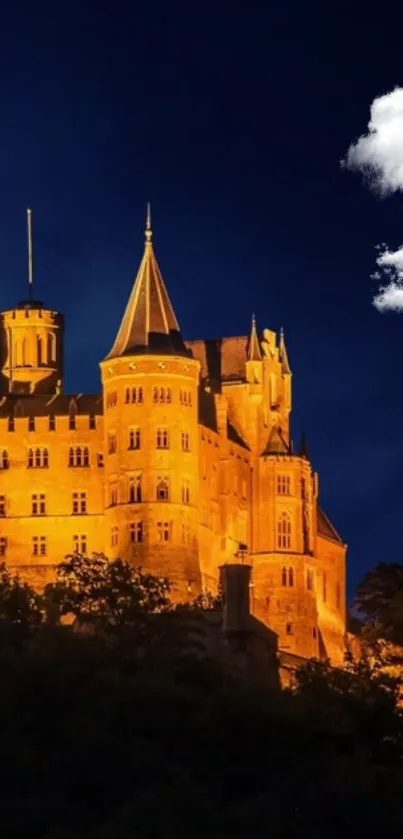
(149,324)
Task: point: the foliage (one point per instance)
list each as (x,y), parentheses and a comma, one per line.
(21,608)
(379,601)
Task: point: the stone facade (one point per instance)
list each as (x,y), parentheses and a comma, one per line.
(183,462)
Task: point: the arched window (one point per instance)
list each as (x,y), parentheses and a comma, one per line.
(23,352)
(284,532)
(4,462)
(38,457)
(71,457)
(86,456)
(291,577)
(78,456)
(51,347)
(162,489)
(39,351)
(155,394)
(284,577)
(169,394)
(135,489)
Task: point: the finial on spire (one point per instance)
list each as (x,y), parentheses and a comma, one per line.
(148,230)
(285,364)
(254,352)
(30,259)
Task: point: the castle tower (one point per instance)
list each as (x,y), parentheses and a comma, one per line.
(31,343)
(150,393)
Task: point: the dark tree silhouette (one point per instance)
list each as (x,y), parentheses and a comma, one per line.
(379,602)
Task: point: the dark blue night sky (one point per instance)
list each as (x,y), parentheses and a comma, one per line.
(231,120)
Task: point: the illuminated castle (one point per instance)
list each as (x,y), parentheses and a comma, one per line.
(182,462)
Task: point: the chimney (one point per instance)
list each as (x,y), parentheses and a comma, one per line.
(235,582)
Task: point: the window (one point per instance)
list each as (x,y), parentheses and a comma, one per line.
(186,492)
(39,351)
(164,531)
(3,511)
(111,399)
(291,577)
(80,545)
(309,580)
(284,531)
(136,531)
(52,422)
(314,633)
(163,395)
(114,536)
(92,422)
(162,489)
(135,494)
(288,629)
(113,495)
(11,424)
(185,397)
(162,438)
(4,462)
(324,592)
(51,347)
(134,395)
(79,503)
(31,423)
(39,546)
(38,505)
(284,577)
(38,458)
(185,441)
(112,444)
(100,461)
(79,456)
(3,546)
(72,422)
(338,596)
(134,438)
(283,485)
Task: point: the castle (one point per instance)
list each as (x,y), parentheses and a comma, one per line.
(184,461)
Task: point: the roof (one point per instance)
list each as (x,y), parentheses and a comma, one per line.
(44,404)
(325,527)
(149,323)
(221,359)
(276,443)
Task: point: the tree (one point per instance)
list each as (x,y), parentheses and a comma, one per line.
(379,601)
(108,594)
(21,608)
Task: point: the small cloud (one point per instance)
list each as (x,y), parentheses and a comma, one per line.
(390,268)
(378,155)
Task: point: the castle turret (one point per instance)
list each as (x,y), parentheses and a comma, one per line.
(150,390)
(31,343)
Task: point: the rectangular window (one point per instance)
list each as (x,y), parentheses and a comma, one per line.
(114,536)
(52,422)
(80,545)
(39,546)
(31,423)
(112,443)
(79,503)
(38,505)
(79,456)
(162,438)
(3,511)
(164,531)
(136,531)
(92,423)
(185,441)
(186,492)
(100,460)
(288,629)
(283,485)
(134,438)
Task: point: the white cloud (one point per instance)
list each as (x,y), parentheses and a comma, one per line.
(378,155)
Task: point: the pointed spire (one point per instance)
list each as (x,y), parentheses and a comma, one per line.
(303,448)
(254,352)
(285,365)
(149,324)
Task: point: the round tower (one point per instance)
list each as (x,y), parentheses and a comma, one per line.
(150,391)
